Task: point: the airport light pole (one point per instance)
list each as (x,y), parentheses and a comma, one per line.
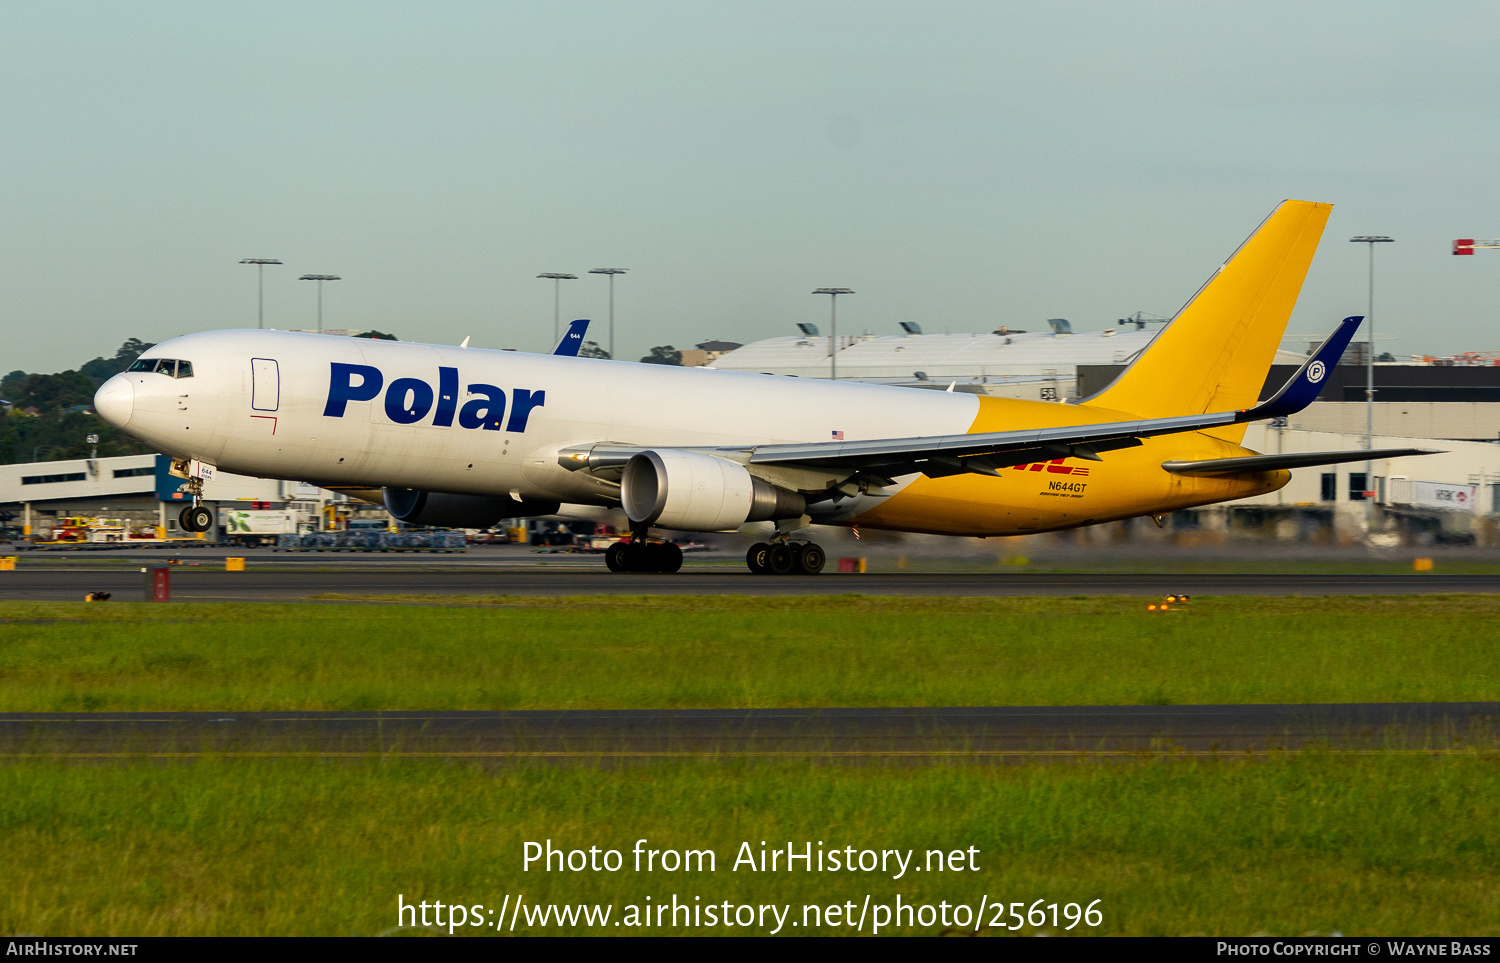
(1370,240)
(260,269)
(320,278)
(833,328)
(557,280)
(611,272)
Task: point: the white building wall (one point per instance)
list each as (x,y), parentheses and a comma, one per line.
(1424,419)
(1460,462)
(100,481)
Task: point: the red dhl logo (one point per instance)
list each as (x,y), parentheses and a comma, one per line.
(1056,467)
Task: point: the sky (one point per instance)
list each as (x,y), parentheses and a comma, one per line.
(961,165)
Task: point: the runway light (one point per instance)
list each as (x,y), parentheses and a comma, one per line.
(1151,607)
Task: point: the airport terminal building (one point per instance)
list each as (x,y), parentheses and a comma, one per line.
(139,490)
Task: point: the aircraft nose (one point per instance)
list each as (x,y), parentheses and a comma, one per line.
(115,400)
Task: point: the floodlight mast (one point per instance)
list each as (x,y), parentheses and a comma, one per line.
(260,269)
(1370,240)
(611,272)
(557,280)
(833,328)
(320,278)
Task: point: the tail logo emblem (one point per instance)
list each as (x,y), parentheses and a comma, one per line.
(1316,371)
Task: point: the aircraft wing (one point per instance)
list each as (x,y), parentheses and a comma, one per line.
(986,453)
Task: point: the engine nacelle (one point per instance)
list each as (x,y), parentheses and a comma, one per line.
(694,492)
(445,510)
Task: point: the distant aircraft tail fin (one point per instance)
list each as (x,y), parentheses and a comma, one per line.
(1215,354)
(572,339)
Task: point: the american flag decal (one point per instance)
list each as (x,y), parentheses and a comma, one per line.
(838,436)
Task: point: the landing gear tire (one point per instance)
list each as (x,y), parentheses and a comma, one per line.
(202,519)
(195,518)
(637,557)
(779,560)
(810,559)
(663,557)
(795,558)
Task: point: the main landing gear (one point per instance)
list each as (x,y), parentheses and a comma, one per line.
(643,555)
(785,558)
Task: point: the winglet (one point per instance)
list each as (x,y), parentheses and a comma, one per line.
(572,339)
(1303,388)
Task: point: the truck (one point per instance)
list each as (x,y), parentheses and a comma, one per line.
(259,526)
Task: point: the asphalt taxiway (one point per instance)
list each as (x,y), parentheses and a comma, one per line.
(979,734)
(210,583)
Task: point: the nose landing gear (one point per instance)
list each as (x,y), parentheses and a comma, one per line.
(643,555)
(785,558)
(195,517)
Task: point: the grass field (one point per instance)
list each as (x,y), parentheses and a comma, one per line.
(705,652)
(1307,844)
(1318,842)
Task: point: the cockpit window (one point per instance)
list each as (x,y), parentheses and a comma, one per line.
(170,367)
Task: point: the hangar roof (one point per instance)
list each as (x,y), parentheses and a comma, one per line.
(998,355)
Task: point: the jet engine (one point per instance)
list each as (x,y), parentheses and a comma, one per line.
(445,510)
(695,492)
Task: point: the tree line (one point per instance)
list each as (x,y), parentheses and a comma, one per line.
(50,416)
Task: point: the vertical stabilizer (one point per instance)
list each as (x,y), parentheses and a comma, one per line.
(572,339)
(1215,354)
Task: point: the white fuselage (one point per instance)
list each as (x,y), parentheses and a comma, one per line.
(346,411)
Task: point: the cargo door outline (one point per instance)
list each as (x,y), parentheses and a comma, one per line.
(265,384)
(265,388)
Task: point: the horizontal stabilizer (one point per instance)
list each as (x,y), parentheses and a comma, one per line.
(1302,459)
(572,340)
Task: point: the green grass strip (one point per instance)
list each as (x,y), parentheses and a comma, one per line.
(727,652)
(1296,845)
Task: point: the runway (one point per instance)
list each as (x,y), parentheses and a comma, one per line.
(209,583)
(1009,734)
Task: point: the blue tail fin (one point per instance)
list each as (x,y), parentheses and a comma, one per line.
(572,339)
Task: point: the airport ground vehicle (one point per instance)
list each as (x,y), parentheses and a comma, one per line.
(260,527)
(88,530)
(462,437)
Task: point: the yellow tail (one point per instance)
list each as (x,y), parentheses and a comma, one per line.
(1214,355)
